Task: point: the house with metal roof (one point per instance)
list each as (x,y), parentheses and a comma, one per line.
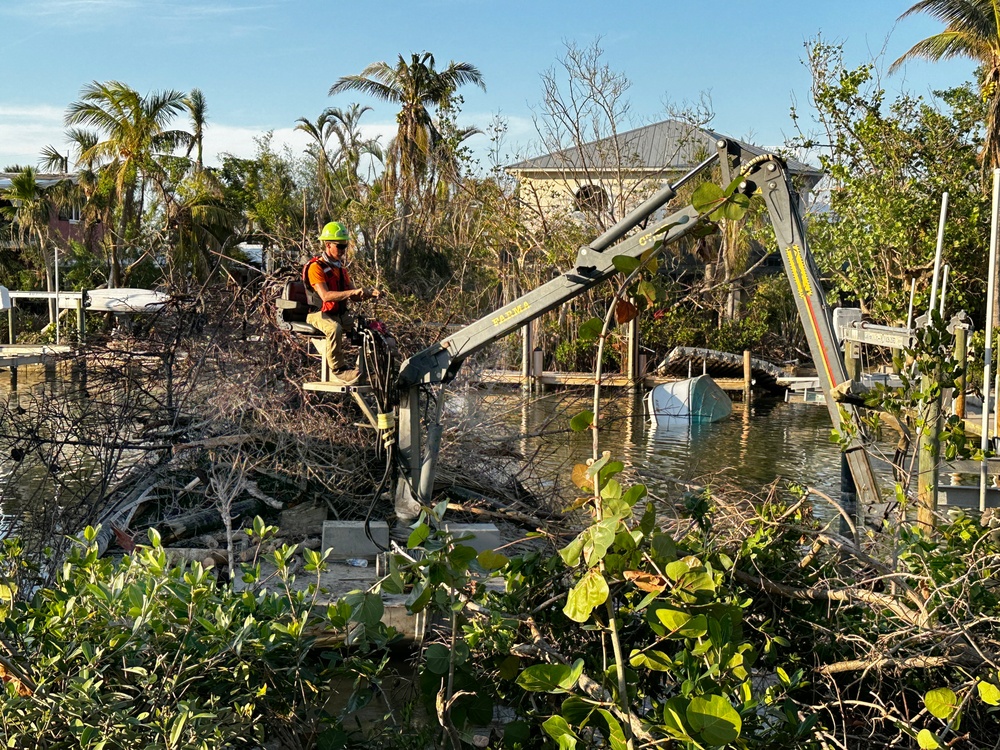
(608,177)
(64,221)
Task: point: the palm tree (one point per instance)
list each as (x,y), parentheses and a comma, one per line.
(414,86)
(320,132)
(971,31)
(29,211)
(134,131)
(198,110)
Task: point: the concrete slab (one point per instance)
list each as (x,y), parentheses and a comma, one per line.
(486,536)
(348,540)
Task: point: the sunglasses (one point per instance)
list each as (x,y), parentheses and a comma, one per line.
(341,245)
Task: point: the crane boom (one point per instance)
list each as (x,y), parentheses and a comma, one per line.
(440,363)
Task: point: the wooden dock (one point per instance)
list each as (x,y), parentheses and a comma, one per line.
(585,379)
(21,355)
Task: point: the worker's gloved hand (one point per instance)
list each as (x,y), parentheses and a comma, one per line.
(375,293)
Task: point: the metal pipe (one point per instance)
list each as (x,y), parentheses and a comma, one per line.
(646,208)
(937,254)
(57,294)
(988,349)
(944,287)
(909,314)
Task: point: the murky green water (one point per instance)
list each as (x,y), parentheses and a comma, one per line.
(773,440)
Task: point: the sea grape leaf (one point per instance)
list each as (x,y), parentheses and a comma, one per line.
(625,264)
(581,477)
(551,678)
(989,693)
(941,702)
(589,592)
(437,656)
(714,718)
(591,329)
(582,421)
(625,312)
(927,740)
(614,734)
(557,728)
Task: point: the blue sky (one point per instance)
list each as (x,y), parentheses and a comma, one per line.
(264,63)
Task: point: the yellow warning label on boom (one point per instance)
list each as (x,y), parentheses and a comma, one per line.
(799,273)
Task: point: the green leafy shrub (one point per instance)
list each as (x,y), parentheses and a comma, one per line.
(143,653)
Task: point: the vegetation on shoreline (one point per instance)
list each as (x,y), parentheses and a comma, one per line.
(717,619)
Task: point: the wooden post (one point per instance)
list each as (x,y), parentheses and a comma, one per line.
(537,367)
(10,324)
(526,349)
(81,324)
(747,377)
(848,488)
(962,356)
(928,453)
(634,374)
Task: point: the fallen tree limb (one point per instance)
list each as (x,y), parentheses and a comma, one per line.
(910,662)
(539,647)
(849,595)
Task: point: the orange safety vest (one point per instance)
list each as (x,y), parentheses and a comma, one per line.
(337,280)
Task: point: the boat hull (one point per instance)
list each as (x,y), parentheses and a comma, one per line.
(696,400)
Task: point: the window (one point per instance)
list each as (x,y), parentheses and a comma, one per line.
(591,199)
(70,213)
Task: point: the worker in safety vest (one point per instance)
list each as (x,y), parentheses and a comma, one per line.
(329,287)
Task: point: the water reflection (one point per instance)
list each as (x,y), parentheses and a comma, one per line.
(750,449)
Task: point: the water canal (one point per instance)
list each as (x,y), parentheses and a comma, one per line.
(772,440)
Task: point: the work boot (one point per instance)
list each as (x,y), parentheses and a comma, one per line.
(345,377)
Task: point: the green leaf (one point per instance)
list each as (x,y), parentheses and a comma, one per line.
(655,660)
(648,290)
(492,560)
(634,494)
(577,710)
(714,718)
(437,656)
(597,539)
(589,592)
(989,693)
(177,727)
(550,678)
(927,740)
(674,711)
(557,728)
(941,702)
(614,734)
(707,197)
(582,421)
(418,536)
(625,264)
(682,624)
(591,329)
(419,598)
(572,551)
(154,537)
(366,608)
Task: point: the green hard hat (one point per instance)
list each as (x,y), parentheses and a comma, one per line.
(334,232)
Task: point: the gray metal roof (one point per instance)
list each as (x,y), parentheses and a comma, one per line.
(663,146)
(44,180)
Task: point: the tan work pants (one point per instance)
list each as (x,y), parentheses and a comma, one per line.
(333,326)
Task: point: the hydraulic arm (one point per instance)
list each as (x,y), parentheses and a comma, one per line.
(439,363)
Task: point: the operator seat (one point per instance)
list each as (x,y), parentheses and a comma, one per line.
(293,308)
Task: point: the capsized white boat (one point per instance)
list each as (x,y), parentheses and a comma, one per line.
(125,300)
(696,399)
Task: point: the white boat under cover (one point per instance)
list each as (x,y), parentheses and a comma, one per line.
(125,300)
(696,399)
